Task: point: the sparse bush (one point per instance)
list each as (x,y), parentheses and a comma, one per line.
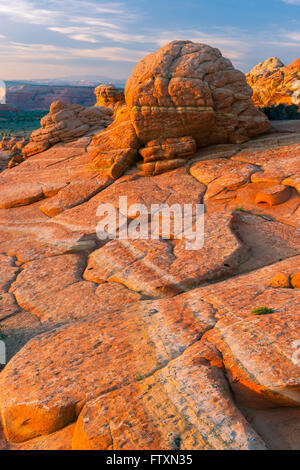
(21,122)
(281,112)
(262,311)
(138,378)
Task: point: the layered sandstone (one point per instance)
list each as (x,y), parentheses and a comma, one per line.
(139,343)
(65,123)
(109,96)
(184,91)
(273,83)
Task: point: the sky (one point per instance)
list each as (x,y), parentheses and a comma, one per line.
(83,38)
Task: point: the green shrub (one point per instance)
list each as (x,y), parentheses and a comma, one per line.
(262,310)
(282,112)
(138,378)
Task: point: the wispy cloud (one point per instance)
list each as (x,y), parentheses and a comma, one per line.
(96,33)
(36,52)
(292,2)
(233,44)
(293,36)
(24,11)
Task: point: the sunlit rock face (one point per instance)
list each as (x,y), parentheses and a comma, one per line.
(2,92)
(272,83)
(186,91)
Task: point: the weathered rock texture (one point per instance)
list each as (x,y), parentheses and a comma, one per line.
(273,83)
(65,123)
(140,343)
(109,96)
(187,92)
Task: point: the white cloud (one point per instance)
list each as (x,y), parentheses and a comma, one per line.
(26,12)
(37,52)
(293,36)
(234,44)
(292,2)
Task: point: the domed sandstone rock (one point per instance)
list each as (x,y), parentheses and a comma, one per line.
(273,83)
(66,123)
(109,96)
(280,280)
(185,90)
(295,280)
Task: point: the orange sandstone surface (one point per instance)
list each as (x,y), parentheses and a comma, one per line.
(142,343)
(273,83)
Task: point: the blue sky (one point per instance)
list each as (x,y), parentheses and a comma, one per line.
(67,38)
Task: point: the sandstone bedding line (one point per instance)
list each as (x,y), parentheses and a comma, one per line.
(140,343)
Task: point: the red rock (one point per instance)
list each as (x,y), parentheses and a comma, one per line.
(259,358)
(44,175)
(65,123)
(272,83)
(219,174)
(44,392)
(185,406)
(116,148)
(295,280)
(164,155)
(280,280)
(184,90)
(156,269)
(109,96)
(273,195)
(60,440)
(55,290)
(75,193)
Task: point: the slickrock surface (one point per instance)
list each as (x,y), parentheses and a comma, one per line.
(141,343)
(184,90)
(66,123)
(273,83)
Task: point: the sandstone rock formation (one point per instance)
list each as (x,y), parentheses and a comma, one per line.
(184,91)
(273,83)
(269,66)
(109,96)
(140,343)
(65,123)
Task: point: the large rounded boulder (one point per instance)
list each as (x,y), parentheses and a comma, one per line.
(188,90)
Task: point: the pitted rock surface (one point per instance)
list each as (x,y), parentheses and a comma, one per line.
(142,343)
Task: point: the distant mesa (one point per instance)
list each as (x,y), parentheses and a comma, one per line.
(184,96)
(30,97)
(273,83)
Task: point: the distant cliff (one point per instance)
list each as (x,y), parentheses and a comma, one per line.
(39,97)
